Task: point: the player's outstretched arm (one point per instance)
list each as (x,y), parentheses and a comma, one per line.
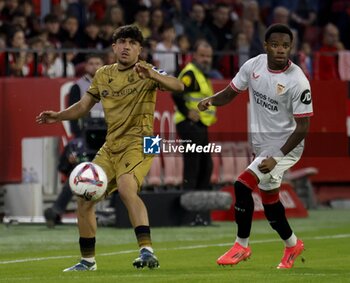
(222,97)
(166,82)
(76,111)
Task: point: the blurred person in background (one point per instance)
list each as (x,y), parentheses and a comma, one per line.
(142,21)
(33,22)
(37,45)
(245,44)
(157,22)
(91,37)
(166,50)
(52,30)
(79,10)
(115,15)
(280,15)
(196,26)
(303,16)
(326,58)
(305,60)
(107,29)
(221,26)
(54,63)
(69,32)
(192,125)
(100,9)
(8,10)
(12,63)
(91,64)
(185,55)
(251,12)
(109,57)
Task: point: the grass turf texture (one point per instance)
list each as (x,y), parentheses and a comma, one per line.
(33,253)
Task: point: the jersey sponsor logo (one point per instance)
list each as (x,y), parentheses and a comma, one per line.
(306,97)
(125,91)
(255,76)
(265,101)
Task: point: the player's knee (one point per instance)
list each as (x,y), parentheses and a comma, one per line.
(249,179)
(243,195)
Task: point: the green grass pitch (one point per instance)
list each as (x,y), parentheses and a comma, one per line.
(33,253)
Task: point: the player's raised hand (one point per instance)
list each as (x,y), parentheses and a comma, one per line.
(47,117)
(204,104)
(144,71)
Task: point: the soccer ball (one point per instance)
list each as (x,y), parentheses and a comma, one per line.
(88,180)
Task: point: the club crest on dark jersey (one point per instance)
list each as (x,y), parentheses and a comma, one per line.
(306,97)
(104,93)
(131,78)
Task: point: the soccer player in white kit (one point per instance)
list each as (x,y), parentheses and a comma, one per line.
(280,110)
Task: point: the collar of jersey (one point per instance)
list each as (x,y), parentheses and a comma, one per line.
(132,66)
(280,71)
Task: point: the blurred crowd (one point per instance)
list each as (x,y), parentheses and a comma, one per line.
(49,44)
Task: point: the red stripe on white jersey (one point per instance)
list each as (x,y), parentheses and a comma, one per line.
(234,87)
(303,115)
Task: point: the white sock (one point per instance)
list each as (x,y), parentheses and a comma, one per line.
(89,259)
(291,241)
(147,248)
(242,241)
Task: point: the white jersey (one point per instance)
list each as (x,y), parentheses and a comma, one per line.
(276,97)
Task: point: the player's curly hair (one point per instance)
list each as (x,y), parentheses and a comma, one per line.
(128,31)
(278,28)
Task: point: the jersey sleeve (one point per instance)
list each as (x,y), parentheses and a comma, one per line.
(302,99)
(240,82)
(93,89)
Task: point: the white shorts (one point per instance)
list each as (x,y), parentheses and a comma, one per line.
(273,179)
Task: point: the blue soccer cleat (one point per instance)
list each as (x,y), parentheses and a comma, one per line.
(83,265)
(146,258)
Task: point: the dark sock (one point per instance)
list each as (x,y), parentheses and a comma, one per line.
(276,215)
(143,236)
(87,246)
(244,208)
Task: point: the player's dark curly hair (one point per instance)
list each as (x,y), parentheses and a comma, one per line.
(278,28)
(128,31)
